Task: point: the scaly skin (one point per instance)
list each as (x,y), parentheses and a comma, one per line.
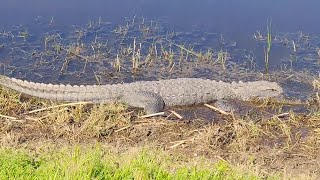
(150,95)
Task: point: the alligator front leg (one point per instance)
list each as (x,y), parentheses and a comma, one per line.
(243,109)
(151,102)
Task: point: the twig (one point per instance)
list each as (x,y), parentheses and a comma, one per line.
(12,119)
(8,117)
(57,106)
(216,109)
(282,115)
(222,159)
(152,115)
(288,77)
(178,143)
(176,114)
(126,127)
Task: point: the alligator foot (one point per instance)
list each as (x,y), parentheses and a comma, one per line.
(151,103)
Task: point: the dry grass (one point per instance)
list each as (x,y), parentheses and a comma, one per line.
(316,84)
(288,146)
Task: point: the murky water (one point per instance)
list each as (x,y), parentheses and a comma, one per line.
(233,16)
(86,37)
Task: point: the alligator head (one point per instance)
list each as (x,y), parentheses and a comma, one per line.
(256,89)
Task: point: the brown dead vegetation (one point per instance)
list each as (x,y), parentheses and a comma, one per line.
(279,145)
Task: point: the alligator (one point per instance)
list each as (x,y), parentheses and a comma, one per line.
(153,96)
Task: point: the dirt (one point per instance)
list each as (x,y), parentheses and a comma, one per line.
(233,140)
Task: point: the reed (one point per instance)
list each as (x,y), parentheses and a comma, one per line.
(268,48)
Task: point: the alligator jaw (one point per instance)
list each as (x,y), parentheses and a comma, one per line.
(256,89)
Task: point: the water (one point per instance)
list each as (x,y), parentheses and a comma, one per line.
(237,17)
(220,25)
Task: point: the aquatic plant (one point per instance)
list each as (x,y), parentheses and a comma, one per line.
(222,58)
(268,48)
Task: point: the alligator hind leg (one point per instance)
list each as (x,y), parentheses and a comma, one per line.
(226,105)
(151,102)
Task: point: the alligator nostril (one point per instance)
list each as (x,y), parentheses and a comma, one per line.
(272,89)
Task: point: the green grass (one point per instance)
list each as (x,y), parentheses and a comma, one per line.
(96,163)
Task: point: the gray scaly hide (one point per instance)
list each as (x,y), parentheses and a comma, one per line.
(153,96)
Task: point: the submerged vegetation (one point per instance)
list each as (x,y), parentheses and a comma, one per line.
(138,48)
(101,52)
